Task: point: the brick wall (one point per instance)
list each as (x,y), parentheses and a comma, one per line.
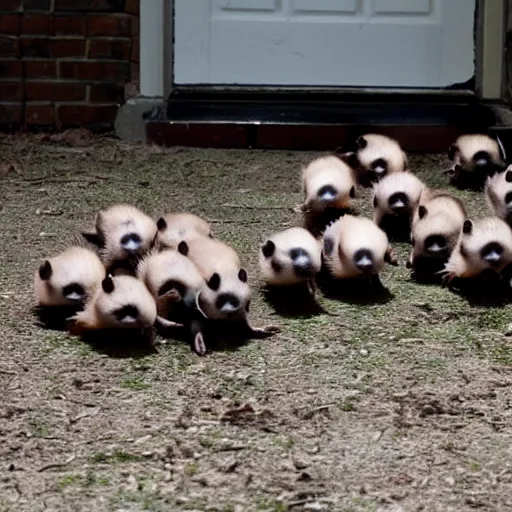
(67,63)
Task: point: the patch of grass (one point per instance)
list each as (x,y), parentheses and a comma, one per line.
(134,382)
(474,466)
(116,456)
(285,442)
(68,480)
(191,469)
(143,501)
(273,506)
(38,427)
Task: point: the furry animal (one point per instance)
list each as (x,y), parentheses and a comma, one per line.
(176,227)
(123,234)
(498,192)
(475,157)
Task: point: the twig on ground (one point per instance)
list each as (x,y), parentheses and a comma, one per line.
(54,465)
(257,207)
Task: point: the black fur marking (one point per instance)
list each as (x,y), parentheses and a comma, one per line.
(94,239)
(422,211)
(214,282)
(247,306)
(125,311)
(268,248)
(452,150)
(161,224)
(350,159)
(327,189)
(73,288)
(380,162)
(352,192)
(131,237)
(361,142)
(328,246)
(508,198)
(508,176)
(298,252)
(242,275)
(463,251)
(170,285)
(276,267)
(45,270)
(108,284)
(484,157)
(375,202)
(183,248)
(398,196)
(438,240)
(359,255)
(492,247)
(224,298)
(467,227)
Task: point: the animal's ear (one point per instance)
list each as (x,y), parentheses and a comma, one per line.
(45,270)
(108,284)
(268,248)
(422,211)
(508,176)
(242,275)
(352,192)
(328,246)
(183,248)
(361,142)
(467,228)
(214,282)
(161,224)
(350,159)
(94,239)
(452,150)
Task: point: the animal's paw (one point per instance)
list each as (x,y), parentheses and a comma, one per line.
(199,344)
(391,257)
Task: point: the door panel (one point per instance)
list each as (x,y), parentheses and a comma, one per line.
(366,43)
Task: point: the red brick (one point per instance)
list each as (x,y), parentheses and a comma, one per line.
(34,47)
(40,69)
(10,24)
(11,91)
(65,48)
(71,5)
(135,56)
(109,49)
(11,113)
(109,26)
(37,5)
(10,5)
(132,6)
(11,69)
(88,70)
(108,5)
(106,93)
(41,25)
(43,114)
(86,115)
(50,91)
(135,26)
(70,25)
(9,47)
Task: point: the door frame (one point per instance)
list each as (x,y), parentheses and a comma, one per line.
(157,56)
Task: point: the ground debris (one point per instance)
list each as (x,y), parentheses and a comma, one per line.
(54,465)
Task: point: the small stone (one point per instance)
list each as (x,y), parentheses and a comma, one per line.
(300,464)
(508,332)
(167,466)
(318,507)
(192,430)
(450,480)
(363,352)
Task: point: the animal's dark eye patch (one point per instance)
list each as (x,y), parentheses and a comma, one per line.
(73,288)
(170,285)
(214,282)
(242,275)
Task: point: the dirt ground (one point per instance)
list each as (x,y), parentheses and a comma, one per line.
(403,405)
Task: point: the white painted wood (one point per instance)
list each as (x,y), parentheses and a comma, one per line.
(365,43)
(152,48)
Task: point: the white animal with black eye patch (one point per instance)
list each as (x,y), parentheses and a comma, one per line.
(485,244)
(327,182)
(123,233)
(354,247)
(498,191)
(396,195)
(437,225)
(225,294)
(377,156)
(475,157)
(69,278)
(121,302)
(290,257)
(176,227)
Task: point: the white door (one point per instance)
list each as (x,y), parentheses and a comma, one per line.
(372,43)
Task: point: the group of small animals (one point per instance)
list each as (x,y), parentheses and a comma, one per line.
(133,273)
